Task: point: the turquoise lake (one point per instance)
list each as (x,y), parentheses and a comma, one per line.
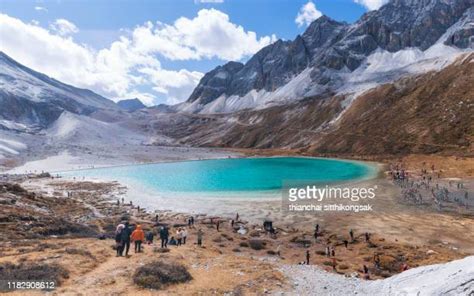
(231,175)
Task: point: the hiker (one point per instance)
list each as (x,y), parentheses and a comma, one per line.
(367,237)
(366,269)
(316,229)
(179,237)
(237,217)
(217,224)
(351,233)
(377,261)
(164,233)
(346,243)
(173,241)
(118,239)
(307,257)
(200,233)
(125,238)
(156,218)
(138,236)
(189,222)
(184,235)
(333,252)
(149,237)
(232,223)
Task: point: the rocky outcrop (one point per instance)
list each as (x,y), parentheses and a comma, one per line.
(131,104)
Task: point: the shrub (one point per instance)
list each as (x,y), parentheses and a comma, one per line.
(257,244)
(33,272)
(156,275)
(244,244)
(343,266)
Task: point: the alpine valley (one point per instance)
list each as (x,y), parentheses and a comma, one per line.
(400,80)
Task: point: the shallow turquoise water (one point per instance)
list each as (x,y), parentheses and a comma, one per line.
(231,175)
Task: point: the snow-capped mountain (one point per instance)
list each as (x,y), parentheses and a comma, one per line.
(402,37)
(32,99)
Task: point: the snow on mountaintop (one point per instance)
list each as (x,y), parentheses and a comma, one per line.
(338,58)
(22,81)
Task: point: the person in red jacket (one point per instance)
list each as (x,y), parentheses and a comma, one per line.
(138,236)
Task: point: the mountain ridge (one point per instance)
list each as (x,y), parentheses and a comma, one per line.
(330,49)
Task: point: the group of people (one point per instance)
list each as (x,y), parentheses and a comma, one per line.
(414,190)
(125,234)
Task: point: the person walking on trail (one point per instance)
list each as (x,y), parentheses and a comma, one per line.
(164,234)
(307,257)
(125,238)
(351,233)
(184,235)
(217,224)
(200,233)
(367,237)
(118,239)
(346,243)
(138,236)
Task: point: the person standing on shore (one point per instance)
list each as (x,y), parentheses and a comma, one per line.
(118,239)
(184,235)
(164,234)
(179,237)
(138,236)
(307,257)
(125,238)
(149,237)
(200,233)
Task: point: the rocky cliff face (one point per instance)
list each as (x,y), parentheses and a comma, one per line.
(329,48)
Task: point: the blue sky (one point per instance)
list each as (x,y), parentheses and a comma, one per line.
(93,26)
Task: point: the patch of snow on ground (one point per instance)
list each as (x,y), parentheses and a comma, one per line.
(61,162)
(452,278)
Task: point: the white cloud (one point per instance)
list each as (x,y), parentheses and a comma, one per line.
(63,27)
(131,63)
(372,4)
(307,14)
(174,84)
(41,8)
(210,34)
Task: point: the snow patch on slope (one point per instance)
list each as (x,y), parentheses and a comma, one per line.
(452,278)
(9,147)
(84,129)
(298,87)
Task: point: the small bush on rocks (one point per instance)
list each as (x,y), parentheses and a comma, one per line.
(156,275)
(257,244)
